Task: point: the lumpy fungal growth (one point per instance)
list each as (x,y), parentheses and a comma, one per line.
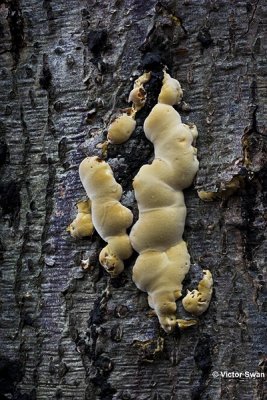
(171,92)
(110,218)
(224,191)
(197,301)
(157,235)
(138,94)
(120,130)
(82,225)
(207,196)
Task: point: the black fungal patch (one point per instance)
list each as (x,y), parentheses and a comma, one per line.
(45,79)
(47,6)
(116,333)
(125,395)
(202,354)
(104,364)
(83,347)
(119,281)
(163,39)
(107,391)
(154,51)
(152,61)
(125,175)
(62,150)
(255,187)
(16,27)
(10,198)
(103,367)
(46,76)
(26,319)
(203,360)
(96,41)
(4,153)
(58,394)
(121,311)
(193,277)
(10,374)
(25,396)
(2,250)
(253,232)
(97,315)
(204,37)
(149,351)
(2,31)
(152,88)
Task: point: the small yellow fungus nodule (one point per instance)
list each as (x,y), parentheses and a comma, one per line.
(82,225)
(121,129)
(171,92)
(138,97)
(207,196)
(197,301)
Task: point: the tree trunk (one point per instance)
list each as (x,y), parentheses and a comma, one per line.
(66,67)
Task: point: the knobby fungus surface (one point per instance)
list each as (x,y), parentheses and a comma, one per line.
(123,126)
(157,235)
(110,218)
(198,300)
(82,225)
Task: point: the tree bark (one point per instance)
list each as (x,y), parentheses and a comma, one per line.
(66,67)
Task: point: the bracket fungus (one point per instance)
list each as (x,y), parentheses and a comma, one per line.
(110,218)
(82,225)
(163,259)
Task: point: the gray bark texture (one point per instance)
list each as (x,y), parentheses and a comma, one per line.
(66,67)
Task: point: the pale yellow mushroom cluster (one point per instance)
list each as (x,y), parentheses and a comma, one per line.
(110,218)
(163,259)
(157,236)
(122,127)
